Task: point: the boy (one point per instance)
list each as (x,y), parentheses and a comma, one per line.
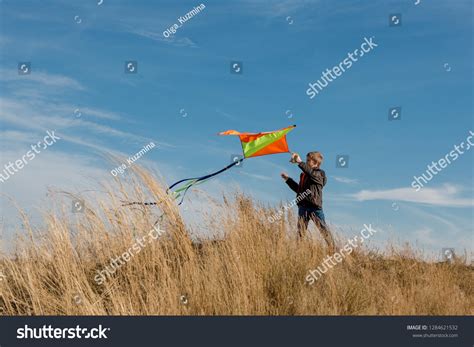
(309,194)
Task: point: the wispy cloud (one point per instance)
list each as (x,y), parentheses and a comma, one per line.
(446,195)
(345,180)
(99,113)
(225,114)
(256,176)
(9,136)
(43,78)
(278,8)
(158,36)
(439,216)
(41,117)
(37,107)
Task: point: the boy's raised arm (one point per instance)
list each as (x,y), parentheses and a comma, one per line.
(292,184)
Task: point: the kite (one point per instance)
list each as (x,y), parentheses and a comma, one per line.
(253,145)
(271,142)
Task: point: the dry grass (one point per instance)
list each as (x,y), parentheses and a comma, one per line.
(255,268)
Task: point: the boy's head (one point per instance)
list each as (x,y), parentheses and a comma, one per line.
(314,159)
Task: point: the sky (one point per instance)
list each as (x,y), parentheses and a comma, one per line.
(183,92)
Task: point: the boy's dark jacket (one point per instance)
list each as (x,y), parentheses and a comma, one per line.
(312,179)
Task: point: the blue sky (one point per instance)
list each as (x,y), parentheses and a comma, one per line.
(78,49)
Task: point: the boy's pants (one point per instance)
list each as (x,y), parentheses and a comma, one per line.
(305,214)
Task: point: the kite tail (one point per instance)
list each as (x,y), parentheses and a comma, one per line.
(181,192)
(127,203)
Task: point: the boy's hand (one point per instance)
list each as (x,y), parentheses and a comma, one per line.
(295,158)
(284,176)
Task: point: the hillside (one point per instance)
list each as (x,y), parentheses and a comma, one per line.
(117,262)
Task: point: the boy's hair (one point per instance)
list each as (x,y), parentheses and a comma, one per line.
(317,157)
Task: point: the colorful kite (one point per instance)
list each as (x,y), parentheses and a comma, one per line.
(253,145)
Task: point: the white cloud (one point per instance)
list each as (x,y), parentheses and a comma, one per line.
(449,226)
(226,115)
(173,40)
(42,116)
(41,113)
(278,8)
(9,136)
(46,79)
(446,195)
(345,180)
(99,113)
(256,176)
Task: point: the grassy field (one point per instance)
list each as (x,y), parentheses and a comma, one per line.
(254,268)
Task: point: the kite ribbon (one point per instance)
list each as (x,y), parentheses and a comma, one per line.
(182,191)
(197,180)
